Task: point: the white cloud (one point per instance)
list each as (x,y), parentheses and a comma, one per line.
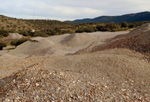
(71,9)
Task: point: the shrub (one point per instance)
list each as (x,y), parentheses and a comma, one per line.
(79,30)
(112,27)
(42,34)
(31,33)
(24,33)
(2,45)
(90,29)
(131,26)
(124,24)
(101,28)
(108,27)
(4,33)
(58,30)
(52,32)
(67,31)
(87,29)
(18,42)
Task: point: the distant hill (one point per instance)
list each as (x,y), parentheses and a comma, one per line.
(134,17)
(24,25)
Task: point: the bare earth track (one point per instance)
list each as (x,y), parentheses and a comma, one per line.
(88,67)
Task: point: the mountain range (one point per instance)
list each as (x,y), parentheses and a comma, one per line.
(134,17)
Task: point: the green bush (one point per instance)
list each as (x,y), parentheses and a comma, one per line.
(51,32)
(24,33)
(67,31)
(131,26)
(31,33)
(87,29)
(58,30)
(4,33)
(124,24)
(108,27)
(79,30)
(2,45)
(112,27)
(101,28)
(42,34)
(18,42)
(90,29)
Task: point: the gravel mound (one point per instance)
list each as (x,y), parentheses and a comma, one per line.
(141,29)
(137,40)
(101,76)
(137,31)
(61,44)
(78,39)
(35,46)
(10,64)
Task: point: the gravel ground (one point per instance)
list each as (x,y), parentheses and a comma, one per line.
(38,85)
(39,82)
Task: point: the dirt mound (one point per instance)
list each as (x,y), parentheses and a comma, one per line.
(144,38)
(62,44)
(103,62)
(10,64)
(138,40)
(139,43)
(78,39)
(35,46)
(137,31)
(141,29)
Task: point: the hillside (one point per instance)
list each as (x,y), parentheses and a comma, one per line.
(46,28)
(25,26)
(134,17)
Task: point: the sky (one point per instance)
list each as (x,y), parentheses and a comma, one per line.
(70,9)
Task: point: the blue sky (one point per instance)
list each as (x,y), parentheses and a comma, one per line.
(70,9)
